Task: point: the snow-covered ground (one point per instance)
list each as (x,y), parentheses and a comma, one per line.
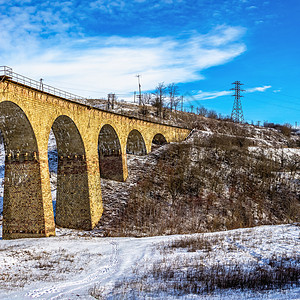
(77,265)
(277,153)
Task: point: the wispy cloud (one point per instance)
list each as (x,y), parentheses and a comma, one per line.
(258,89)
(42,40)
(211,95)
(201,95)
(109,64)
(251,7)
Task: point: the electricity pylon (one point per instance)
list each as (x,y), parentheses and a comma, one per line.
(237,111)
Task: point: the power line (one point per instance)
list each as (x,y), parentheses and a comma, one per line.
(273,104)
(280,95)
(83,90)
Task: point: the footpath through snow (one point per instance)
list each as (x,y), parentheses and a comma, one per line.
(74,264)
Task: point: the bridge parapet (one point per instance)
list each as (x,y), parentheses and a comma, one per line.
(7,73)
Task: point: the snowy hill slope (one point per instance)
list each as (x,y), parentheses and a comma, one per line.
(253,263)
(76,265)
(207,183)
(116,195)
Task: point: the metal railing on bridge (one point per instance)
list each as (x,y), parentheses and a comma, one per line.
(39,85)
(7,72)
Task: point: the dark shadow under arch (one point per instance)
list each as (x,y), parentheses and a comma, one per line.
(158,141)
(72,199)
(110,155)
(23,211)
(135,143)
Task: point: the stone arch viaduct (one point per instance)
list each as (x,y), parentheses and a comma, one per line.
(89,141)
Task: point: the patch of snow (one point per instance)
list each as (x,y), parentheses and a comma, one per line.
(74,262)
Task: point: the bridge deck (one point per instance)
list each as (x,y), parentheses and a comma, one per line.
(9,75)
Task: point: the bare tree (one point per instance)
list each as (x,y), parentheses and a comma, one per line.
(173,92)
(159,98)
(176,102)
(192,108)
(202,111)
(147,98)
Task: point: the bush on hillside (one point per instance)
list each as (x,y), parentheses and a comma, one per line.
(209,185)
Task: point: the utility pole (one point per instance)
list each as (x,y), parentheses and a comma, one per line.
(237,111)
(140,90)
(181,103)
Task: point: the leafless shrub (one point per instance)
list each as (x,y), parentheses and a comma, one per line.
(209,185)
(200,279)
(192,244)
(201,274)
(97,292)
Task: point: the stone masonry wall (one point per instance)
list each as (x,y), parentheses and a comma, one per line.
(29,209)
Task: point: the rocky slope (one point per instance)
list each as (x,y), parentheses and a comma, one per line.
(209,182)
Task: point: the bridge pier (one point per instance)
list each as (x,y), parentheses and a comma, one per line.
(24,214)
(94,186)
(72,205)
(125,167)
(78,199)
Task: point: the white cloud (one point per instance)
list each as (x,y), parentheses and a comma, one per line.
(211,95)
(201,95)
(109,64)
(258,89)
(222,35)
(251,7)
(259,22)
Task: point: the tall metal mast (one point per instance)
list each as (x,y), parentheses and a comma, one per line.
(140,90)
(237,111)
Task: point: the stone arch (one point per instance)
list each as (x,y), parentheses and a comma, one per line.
(110,154)
(136,143)
(72,199)
(23,210)
(157,141)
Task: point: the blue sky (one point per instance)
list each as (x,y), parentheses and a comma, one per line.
(92,48)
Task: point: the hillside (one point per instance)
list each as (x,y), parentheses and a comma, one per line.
(209,182)
(223,176)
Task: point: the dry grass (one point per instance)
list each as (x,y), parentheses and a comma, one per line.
(33,265)
(203,265)
(209,185)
